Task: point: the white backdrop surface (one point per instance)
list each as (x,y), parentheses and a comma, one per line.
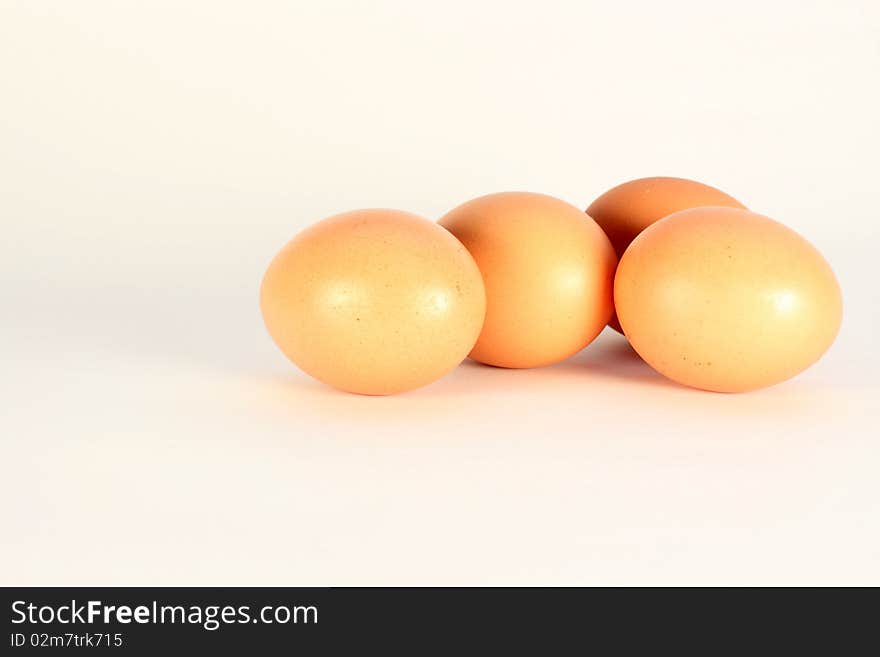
(154,156)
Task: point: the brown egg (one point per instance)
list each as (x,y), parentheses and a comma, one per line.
(727,300)
(626,210)
(374,301)
(548,271)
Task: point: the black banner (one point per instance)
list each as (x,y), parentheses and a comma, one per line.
(411,620)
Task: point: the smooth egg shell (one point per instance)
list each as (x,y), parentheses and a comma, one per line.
(374,301)
(626,210)
(548,271)
(726,300)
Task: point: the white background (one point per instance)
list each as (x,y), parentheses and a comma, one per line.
(155,155)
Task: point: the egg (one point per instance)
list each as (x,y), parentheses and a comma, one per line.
(626,210)
(727,300)
(548,271)
(374,301)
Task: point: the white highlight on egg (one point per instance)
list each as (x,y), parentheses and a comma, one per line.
(437,301)
(784,302)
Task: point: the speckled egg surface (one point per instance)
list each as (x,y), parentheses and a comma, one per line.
(374,301)
(725,299)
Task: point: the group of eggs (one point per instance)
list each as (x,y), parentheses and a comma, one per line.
(709,294)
